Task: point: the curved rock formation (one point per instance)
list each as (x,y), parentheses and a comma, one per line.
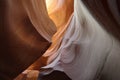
(26,33)
(85,45)
(87,50)
(107,12)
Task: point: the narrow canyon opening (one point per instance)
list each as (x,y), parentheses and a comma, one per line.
(60,12)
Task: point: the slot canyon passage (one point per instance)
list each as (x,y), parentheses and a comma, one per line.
(41,39)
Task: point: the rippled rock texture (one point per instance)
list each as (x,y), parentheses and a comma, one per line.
(84,37)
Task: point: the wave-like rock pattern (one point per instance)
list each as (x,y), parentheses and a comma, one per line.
(88,49)
(26,32)
(84,47)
